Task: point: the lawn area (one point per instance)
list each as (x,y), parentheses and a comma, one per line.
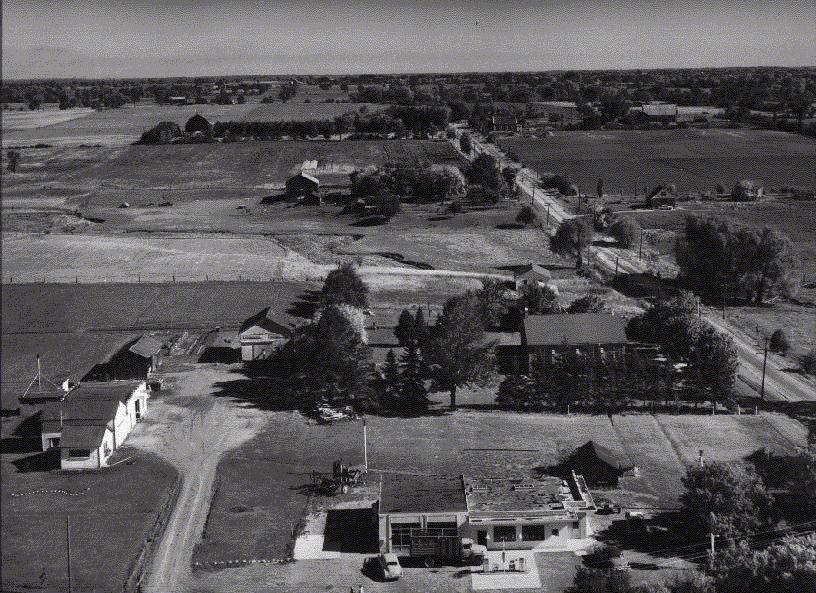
(259,496)
(693,159)
(110,521)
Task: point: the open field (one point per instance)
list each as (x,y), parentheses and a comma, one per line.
(26,120)
(693,159)
(259,496)
(259,165)
(112,127)
(294,111)
(109,522)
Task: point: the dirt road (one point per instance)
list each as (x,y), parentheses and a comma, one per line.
(191,428)
(779,384)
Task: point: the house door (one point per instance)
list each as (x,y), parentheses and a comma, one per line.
(481,537)
(138,408)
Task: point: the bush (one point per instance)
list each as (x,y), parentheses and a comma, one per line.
(779,342)
(526,216)
(625,231)
(807,362)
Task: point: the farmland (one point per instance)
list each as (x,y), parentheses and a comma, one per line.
(109,522)
(293,111)
(692,159)
(268,497)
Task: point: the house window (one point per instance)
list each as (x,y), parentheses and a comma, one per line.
(401,533)
(555,532)
(576,525)
(504,533)
(533,533)
(79,452)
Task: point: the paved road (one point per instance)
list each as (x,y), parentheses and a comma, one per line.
(780,385)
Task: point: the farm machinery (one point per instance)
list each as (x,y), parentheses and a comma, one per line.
(342,478)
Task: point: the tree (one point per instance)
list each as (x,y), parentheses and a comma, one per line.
(602,218)
(412,392)
(598,580)
(509,175)
(484,171)
(768,263)
(162,133)
(465,143)
(590,303)
(405,332)
(801,469)
(779,342)
(744,191)
(784,567)
(492,297)
(13,157)
(572,237)
(526,216)
(287,91)
(458,351)
(344,286)
(625,230)
(438,184)
(391,375)
(538,299)
(807,362)
(727,500)
(713,364)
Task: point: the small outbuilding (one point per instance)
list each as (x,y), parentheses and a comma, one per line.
(135,360)
(221,346)
(531,274)
(599,465)
(302,187)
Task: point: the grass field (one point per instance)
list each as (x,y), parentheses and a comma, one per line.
(258,498)
(693,159)
(26,120)
(112,127)
(294,111)
(109,523)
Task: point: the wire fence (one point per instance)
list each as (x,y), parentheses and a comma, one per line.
(153,278)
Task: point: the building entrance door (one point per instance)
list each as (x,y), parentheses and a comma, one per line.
(138,408)
(481,537)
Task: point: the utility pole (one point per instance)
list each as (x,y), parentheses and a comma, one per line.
(712,550)
(365,443)
(764,364)
(640,252)
(68,546)
(548,214)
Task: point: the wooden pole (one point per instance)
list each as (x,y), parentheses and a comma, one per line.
(365,444)
(764,364)
(68,547)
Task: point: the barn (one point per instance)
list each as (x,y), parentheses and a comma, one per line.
(598,465)
(198,123)
(261,336)
(531,274)
(302,186)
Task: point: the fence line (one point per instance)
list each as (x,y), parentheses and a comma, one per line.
(151,278)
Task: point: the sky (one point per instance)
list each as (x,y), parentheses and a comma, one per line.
(141,38)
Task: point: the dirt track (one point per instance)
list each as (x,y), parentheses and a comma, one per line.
(191,429)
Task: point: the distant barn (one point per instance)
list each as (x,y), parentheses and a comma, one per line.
(198,123)
(135,360)
(598,465)
(261,336)
(302,186)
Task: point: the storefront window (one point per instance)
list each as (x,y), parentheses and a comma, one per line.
(401,533)
(533,533)
(504,533)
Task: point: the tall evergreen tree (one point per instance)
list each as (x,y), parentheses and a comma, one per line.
(412,390)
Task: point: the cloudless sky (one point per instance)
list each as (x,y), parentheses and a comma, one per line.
(98,38)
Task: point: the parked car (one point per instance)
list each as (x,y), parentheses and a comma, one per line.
(389,567)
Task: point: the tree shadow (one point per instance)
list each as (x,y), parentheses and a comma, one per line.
(351,531)
(659,536)
(17,446)
(306,305)
(264,393)
(510,226)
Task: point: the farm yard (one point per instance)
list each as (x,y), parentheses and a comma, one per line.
(693,159)
(109,524)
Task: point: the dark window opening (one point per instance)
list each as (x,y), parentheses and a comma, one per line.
(504,533)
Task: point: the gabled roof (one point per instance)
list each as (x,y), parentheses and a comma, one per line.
(311,178)
(102,390)
(537,269)
(82,437)
(146,346)
(90,410)
(574,329)
(262,319)
(591,449)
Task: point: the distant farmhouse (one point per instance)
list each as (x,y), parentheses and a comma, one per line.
(499,513)
(261,336)
(92,422)
(303,187)
(543,115)
(663,113)
(502,122)
(662,196)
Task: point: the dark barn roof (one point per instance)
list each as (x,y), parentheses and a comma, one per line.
(591,451)
(574,329)
(263,319)
(537,269)
(407,493)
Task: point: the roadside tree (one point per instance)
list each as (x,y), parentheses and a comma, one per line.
(465,143)
(526,216)
(344,286)
(625,231)
(573,236)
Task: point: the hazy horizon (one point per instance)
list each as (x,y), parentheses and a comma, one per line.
(147,38)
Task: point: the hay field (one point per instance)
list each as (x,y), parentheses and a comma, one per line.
(115,127)
(693,159)
(26,120)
